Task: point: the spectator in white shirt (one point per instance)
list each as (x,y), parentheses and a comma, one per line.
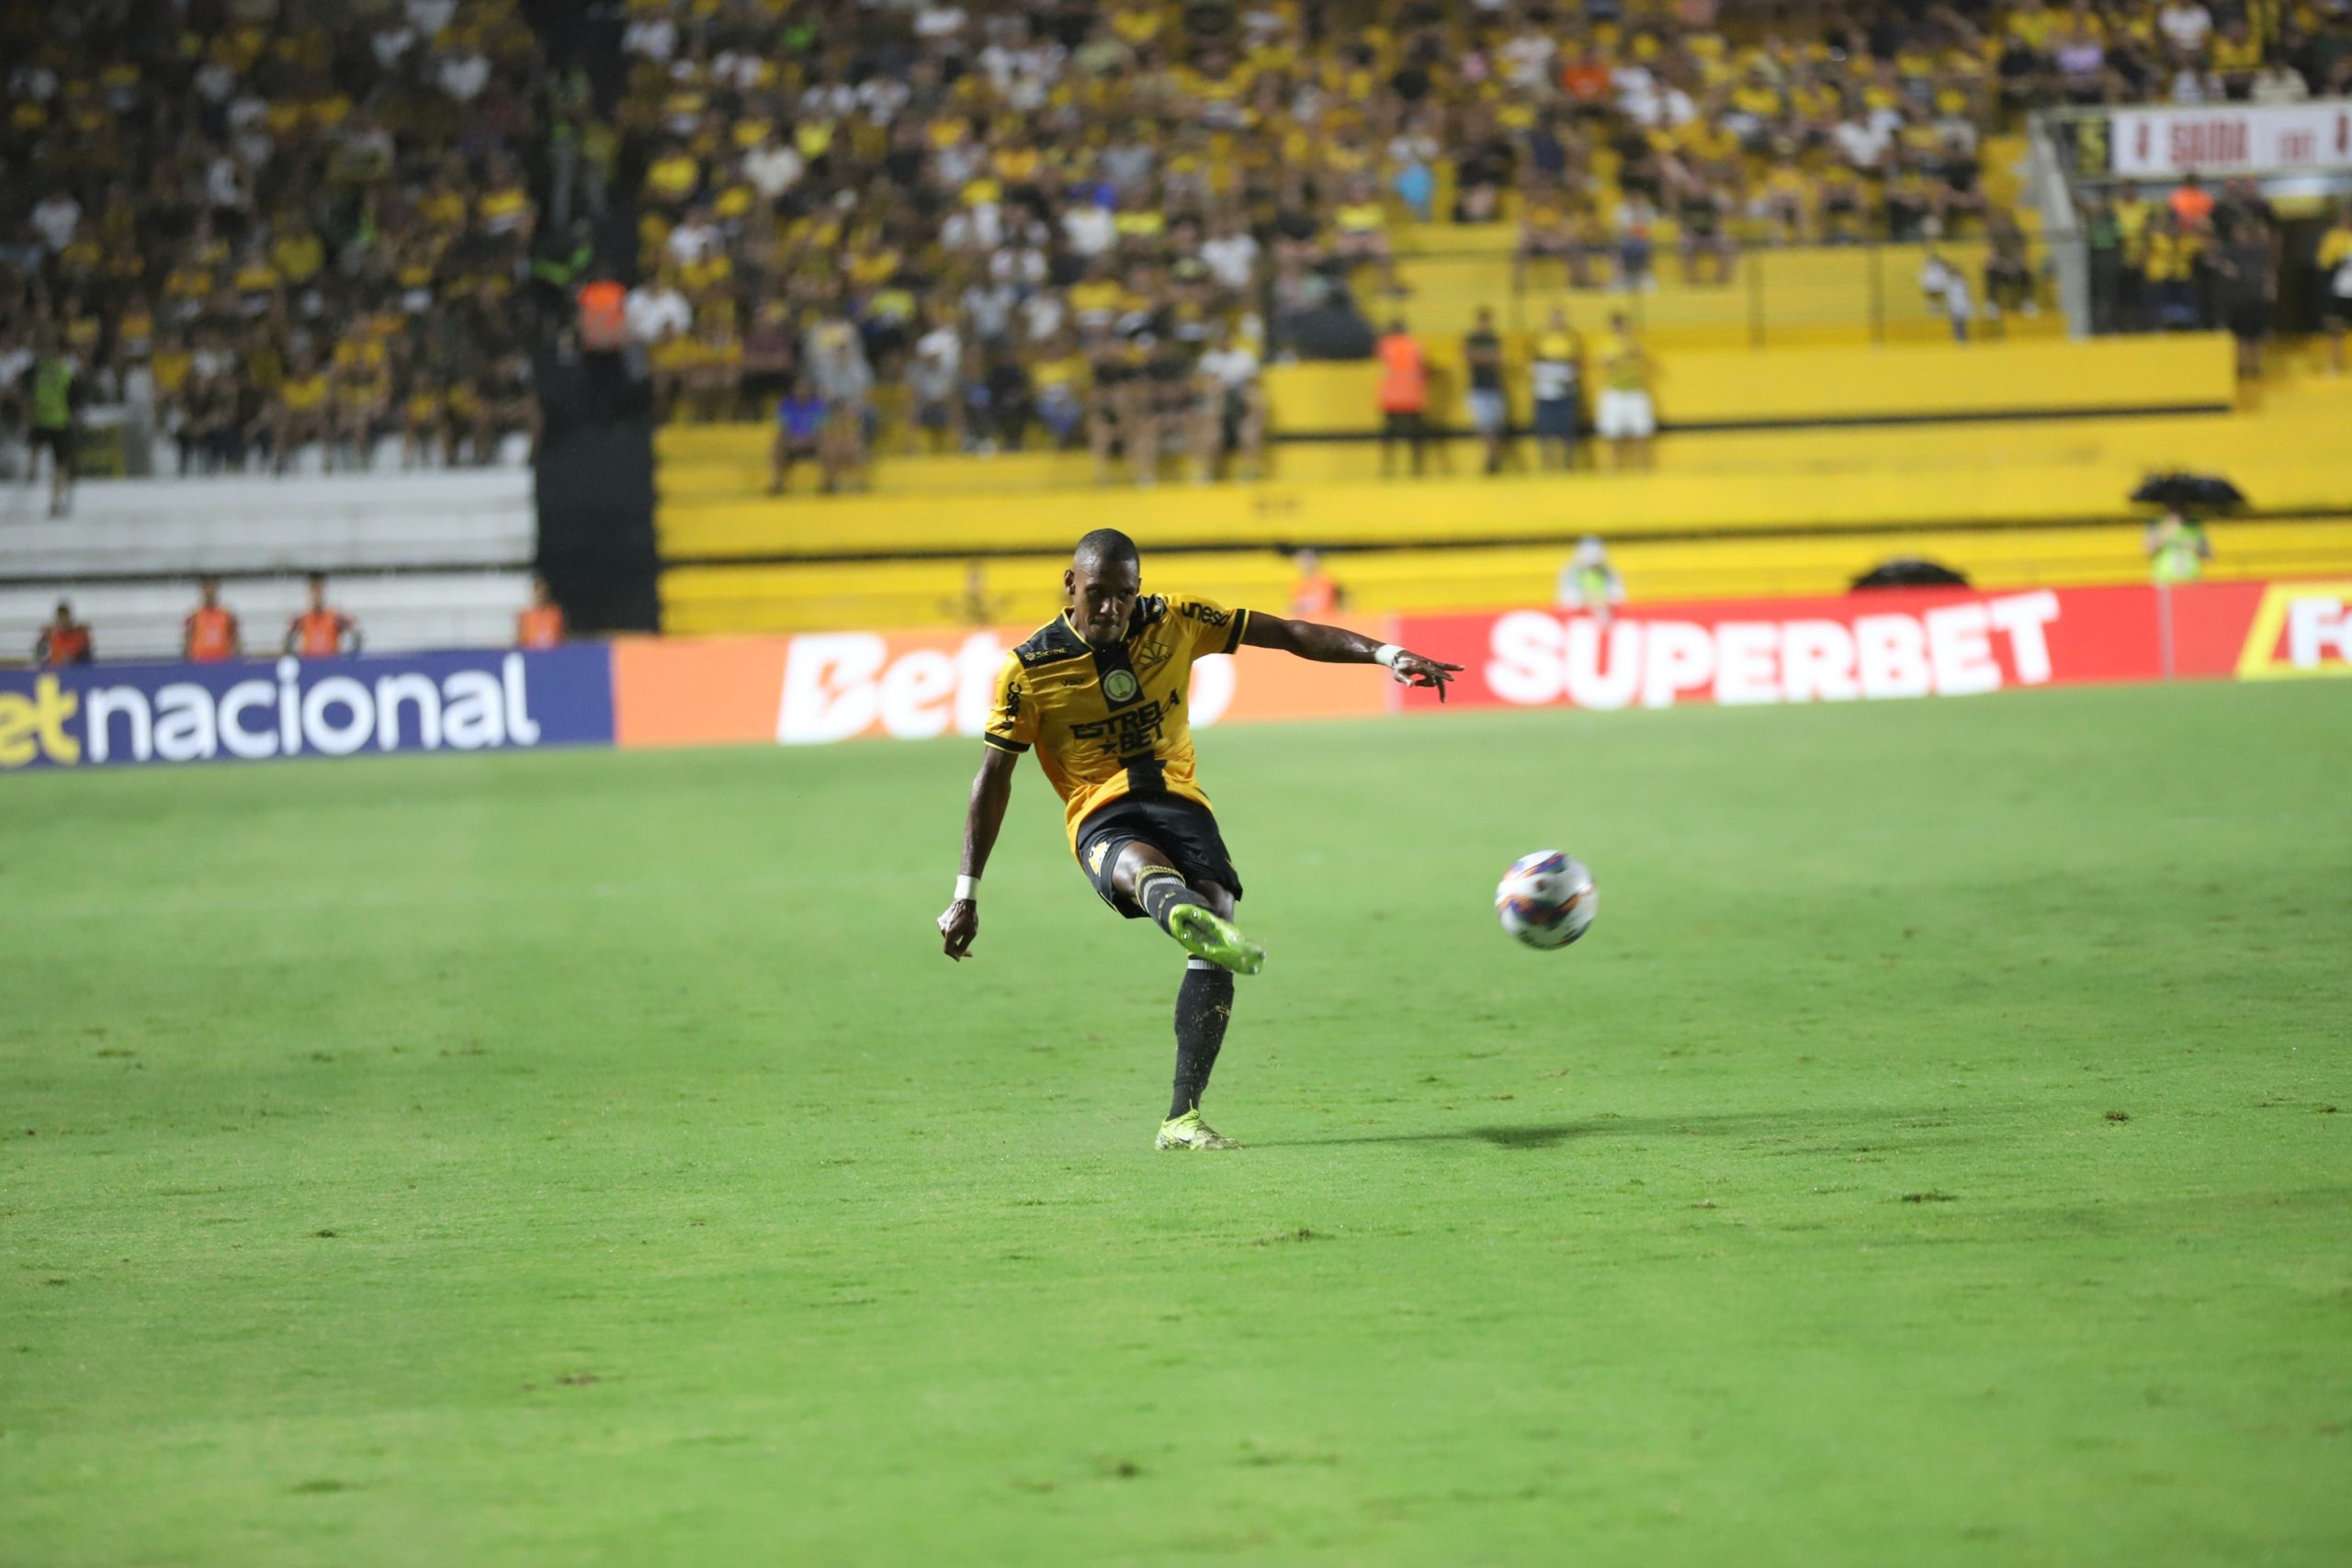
(463,75)
(2278,84)
(1232,410)
(2185,24)
(654,36)
(656,312)
(940,27)
(1231,255)
(56,217)
(695,238)
(1020,261)
(772,168)
(935,384)
(1043,315)
(974,226)
(1862,141)
(390,44)
(1088,228)
(1946,287)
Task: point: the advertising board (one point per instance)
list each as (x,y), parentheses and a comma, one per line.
(117,715)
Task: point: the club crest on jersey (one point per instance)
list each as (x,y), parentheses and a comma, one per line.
(1150,655)
(1119,686)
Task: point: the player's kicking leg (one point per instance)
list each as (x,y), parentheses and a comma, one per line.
(1199,917)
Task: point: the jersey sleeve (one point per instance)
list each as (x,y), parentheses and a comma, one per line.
(1013,714)
(1209,628)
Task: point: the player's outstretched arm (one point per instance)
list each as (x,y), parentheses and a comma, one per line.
(992,789)
(1337,645)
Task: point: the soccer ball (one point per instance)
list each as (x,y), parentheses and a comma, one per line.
(1548,899)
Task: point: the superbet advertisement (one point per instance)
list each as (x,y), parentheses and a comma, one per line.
(1903,643)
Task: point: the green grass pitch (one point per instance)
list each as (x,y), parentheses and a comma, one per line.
(1937,1154)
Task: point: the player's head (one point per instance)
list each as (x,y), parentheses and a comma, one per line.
(64,613)
(1104,580)
(540,593)
(318,590)
(209,590)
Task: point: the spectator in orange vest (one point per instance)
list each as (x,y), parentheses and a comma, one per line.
(209,635)
(2192,204)
(1403,395)
(1316,595)
(320,632)
(604,315)
(541,624)
(65,640)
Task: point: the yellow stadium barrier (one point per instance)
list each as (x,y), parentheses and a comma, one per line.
(703,464)
(1775,297)
(1462,510)
(1697,388)
(1022,589)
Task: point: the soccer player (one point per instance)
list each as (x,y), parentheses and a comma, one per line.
(1100,692)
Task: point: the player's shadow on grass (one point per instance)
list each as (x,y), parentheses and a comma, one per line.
(1542,1136)
(1547,1134)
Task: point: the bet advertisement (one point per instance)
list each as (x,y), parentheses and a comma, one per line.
(818,688)
(105,716)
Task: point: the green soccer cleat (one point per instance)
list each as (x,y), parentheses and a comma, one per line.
(1207,936)
(1189,1132)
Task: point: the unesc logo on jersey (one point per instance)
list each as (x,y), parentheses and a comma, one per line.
(2302,629)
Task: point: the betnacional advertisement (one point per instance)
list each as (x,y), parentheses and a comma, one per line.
(125,715)
(816,688)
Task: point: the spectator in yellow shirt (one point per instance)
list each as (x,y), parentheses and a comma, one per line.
(1360,231)
(299,414)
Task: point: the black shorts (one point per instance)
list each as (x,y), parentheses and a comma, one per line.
(58,441)
(1185,828)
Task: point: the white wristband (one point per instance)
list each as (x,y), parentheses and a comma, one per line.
(1386,654)
(967,889)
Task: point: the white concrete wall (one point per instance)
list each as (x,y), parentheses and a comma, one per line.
(433,559)
(396,613)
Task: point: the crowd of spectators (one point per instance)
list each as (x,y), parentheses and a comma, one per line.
(287,223)
(258,226)
(1028,223)
(2189,258)
(1089,224)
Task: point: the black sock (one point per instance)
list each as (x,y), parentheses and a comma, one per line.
(1160,888)
(1204,1007)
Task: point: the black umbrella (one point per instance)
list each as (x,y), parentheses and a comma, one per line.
(2189,493)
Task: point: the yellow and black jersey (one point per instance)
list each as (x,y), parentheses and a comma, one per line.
(1110,723)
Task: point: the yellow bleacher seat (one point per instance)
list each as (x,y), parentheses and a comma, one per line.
(1762,510)
(1820,295)
(1734,388)
(1023,589)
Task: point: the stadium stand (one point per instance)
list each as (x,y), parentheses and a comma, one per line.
(420,560)
(982,247)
